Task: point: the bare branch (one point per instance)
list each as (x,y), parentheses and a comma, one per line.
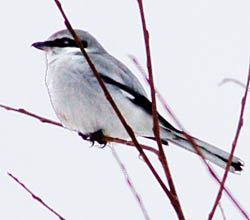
(240,124)
(25,112)
(114,106)
(156,126)
(211,171)
(222,212)
(232,80)
(130,184)
(37,198)
(108,139)
(49,121)
(131,143)
(162,100)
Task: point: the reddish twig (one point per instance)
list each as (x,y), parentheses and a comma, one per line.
(114,106)
(156,126)
(211,171)
(240,124)
(108,139)
(130,184)
(25,112)
(115,140)
(49,121)
(162,100)
(37,198)
(131,143)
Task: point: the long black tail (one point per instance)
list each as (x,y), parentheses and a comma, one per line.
(210,152)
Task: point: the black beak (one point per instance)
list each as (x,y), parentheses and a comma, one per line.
(40,45)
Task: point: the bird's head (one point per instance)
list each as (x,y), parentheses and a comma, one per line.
(62,42)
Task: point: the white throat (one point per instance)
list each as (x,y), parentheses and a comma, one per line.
(55,53)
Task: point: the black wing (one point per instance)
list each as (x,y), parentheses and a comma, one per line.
(138,100)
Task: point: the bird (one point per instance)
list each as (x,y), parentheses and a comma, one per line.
(80,104)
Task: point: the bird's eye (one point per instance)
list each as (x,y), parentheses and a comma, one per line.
(66,41)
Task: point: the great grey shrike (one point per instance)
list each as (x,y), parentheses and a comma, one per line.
(81,106)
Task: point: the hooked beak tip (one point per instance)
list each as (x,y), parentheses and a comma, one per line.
(38,45)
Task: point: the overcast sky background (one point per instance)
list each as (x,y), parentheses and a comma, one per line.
(195,44)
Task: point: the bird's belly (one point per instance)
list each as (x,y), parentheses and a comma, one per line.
(84,109)
(81,106)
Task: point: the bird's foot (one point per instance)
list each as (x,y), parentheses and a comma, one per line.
(96,136)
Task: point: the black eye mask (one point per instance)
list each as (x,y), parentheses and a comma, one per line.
(65,42)
(62,42)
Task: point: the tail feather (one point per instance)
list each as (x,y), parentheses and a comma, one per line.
(210,152)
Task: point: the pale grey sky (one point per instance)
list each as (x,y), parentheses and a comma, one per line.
(195,44)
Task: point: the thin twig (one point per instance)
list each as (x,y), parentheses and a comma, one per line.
(240,124)
(131,144)
(115,140)
(49,121)
(156,126)
(106,138)
(222,212)
(37,198)
(130,184)
(114,106)
(25,112)
(177,122)
(232,80)
(162,100)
